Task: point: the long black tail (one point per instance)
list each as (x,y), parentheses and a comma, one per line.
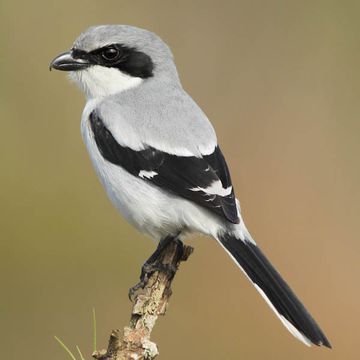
(274,290)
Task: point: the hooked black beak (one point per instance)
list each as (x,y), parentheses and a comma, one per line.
(66,62)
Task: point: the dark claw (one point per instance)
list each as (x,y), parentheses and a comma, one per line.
(134,289)
(154,264)
(146,271)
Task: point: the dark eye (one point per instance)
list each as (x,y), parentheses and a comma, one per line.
(111,53)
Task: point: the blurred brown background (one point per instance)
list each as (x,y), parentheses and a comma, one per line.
(280,82)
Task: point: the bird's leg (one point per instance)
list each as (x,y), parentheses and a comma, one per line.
(154,263)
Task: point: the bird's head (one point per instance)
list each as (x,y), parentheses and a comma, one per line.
(108,59)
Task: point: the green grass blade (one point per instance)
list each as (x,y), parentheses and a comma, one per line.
(65,348)
(81,355)
(94,329)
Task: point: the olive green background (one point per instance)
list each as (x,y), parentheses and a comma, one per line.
(280,82)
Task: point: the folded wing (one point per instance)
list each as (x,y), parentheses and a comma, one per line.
(204,180)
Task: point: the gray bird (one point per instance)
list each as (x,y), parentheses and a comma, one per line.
(157,156)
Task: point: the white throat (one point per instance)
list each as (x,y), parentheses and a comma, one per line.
(99,81)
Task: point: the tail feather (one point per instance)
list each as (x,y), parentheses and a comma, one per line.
(274,290)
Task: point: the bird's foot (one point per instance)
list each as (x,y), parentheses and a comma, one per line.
(147,270)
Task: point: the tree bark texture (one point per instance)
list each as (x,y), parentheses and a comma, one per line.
(134,343)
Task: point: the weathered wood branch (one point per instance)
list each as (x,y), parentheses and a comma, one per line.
(135,343)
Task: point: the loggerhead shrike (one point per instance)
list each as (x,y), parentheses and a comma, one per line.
(157,156)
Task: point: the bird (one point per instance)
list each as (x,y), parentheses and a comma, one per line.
(158,158)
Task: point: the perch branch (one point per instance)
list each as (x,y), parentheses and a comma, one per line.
(135,344)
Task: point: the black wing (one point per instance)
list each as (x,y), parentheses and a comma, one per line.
(205,181)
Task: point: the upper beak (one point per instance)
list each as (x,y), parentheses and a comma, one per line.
(66,62)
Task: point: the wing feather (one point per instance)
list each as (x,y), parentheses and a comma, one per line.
(203,180)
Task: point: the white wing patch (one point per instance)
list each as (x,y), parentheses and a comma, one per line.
(147,174)
(216,188)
